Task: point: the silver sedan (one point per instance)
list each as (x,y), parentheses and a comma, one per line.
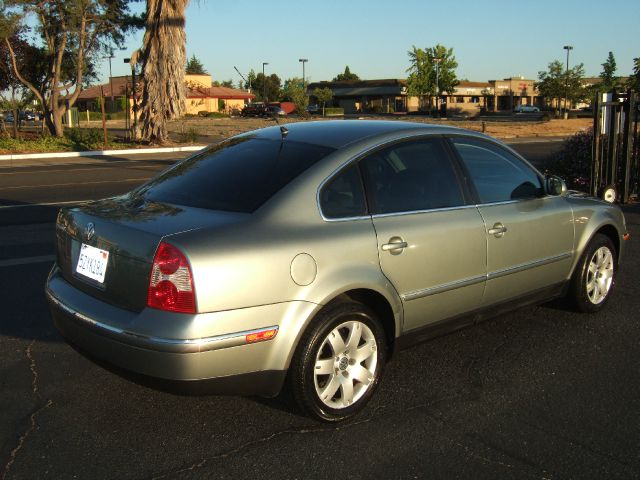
(308,254)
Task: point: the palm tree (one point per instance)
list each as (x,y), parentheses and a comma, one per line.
(163,57)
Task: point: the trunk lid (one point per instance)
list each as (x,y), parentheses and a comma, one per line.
(130,230)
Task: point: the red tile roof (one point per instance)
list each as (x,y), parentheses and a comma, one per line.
(224,93)
(119,84)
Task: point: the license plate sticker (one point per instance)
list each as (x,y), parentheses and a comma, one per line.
(92,263)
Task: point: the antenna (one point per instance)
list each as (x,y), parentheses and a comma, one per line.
(283,130)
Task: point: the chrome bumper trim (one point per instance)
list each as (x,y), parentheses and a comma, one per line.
(527,266)
(443,288)
(172,345)
(482,278)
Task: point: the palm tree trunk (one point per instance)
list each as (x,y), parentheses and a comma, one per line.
(163,58)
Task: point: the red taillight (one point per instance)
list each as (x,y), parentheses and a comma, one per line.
(171,282)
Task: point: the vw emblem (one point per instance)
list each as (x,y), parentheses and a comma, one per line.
(89,231)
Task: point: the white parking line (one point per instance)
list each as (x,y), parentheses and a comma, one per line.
(27,260)
(48,204)
(75,183)
(46,170)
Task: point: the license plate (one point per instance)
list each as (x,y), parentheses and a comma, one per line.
(92,263)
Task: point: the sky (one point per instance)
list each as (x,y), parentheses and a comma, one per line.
(491,39)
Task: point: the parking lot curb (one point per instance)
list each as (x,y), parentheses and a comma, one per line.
(97,153)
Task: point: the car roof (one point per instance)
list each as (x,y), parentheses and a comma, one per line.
(339,133)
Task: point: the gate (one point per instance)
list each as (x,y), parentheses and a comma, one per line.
(614,167)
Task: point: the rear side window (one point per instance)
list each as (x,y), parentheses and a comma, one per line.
(343,197)
(497,175)
(412,176)
(236,176)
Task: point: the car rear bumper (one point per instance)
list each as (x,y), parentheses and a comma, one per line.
(225,360)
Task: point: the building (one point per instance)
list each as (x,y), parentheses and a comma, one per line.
(202,96)
(514,91)
(360,96)
(468,98)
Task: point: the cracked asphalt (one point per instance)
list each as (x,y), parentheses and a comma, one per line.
(541,393)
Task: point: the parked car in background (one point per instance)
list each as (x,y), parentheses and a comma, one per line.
(315,251)
(526,109)
(262,110)
(256,109)
(313,108)
(275,110)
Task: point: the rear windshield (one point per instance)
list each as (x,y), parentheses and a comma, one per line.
(238,175)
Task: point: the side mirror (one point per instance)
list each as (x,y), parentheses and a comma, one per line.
(555,186)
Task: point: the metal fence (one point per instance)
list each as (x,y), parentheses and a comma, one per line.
(614,168)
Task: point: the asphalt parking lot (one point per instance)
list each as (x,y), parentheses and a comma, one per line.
(540,393)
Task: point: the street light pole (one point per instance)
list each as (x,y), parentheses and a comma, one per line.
(303,61)
(264,83)
(134,129)
(568,48)
(111,55)
(437,62)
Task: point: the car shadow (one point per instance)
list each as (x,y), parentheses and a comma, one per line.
(27,248)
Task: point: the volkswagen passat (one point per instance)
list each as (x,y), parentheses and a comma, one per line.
(310,253)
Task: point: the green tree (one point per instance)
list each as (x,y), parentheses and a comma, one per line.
(323,95)
(608,79)
(251,81)
(293,91)
(225,83)
(266,88)
(195,67)
(634,80)
(431,70)
(557,84)
(71,35)
(347,75)
(14,95)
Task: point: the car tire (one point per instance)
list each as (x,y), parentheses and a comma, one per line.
(594,277)
(328,379)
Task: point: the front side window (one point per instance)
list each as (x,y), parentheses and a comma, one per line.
(343,197)
(498,175)
(412,176)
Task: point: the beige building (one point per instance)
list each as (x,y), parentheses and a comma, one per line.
(202,96)
(514,91)
(468,98)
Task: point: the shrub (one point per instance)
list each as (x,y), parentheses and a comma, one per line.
(188,136)
(216,115)
(333,111)
(573,161)
(85,138)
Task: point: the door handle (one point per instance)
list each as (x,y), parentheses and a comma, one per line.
(498,230)
(395,243)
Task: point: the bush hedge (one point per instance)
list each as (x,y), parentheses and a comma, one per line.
(333,112)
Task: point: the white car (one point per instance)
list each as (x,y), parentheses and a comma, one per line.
(526,109)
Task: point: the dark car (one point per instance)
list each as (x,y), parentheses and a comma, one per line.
(255,110)
(273,110)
